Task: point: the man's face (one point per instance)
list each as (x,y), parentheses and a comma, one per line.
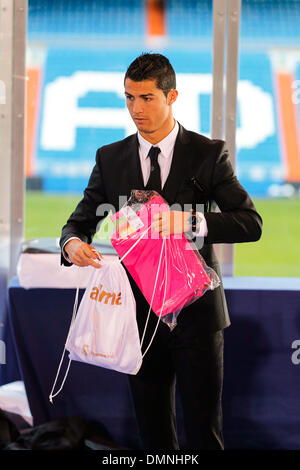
(148,106)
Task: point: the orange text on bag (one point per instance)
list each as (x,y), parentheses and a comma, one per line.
(98,294)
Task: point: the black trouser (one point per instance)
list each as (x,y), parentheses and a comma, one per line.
(198,371)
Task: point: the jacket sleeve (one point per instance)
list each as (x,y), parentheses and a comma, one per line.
(238,220)
(83,222)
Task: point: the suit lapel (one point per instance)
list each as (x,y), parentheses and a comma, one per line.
(134,170)
(180,165)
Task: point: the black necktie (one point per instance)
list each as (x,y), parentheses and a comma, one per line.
(154,181)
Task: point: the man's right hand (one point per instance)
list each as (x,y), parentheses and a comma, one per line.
(82,254)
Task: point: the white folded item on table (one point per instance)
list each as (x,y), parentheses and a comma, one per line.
(43,270)
(13,399)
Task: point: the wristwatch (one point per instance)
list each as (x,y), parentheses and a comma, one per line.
(194,221)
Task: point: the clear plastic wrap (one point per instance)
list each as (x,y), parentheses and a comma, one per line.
(169,271)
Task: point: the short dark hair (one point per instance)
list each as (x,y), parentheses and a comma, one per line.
(153,67)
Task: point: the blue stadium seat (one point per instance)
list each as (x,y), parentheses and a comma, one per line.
(260,19)
(85,18)
(185,19)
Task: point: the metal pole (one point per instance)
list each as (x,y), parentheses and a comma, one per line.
(217,121)
(13,20)
(226,21)
(18,131)
(233,25)
(217,106)
(6,35)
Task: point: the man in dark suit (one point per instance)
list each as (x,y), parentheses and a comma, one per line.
(187,169)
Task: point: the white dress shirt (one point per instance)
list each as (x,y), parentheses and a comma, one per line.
(164,157)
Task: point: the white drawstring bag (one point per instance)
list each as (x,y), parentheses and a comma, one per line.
(104,331)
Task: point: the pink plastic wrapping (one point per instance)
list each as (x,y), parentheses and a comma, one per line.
(169,271)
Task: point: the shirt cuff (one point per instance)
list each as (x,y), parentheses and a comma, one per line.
(202,229)
(63,250)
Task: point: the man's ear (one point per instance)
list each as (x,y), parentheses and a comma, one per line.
(172,96)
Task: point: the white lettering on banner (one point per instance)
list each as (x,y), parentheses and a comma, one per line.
(62,115)
(255,127)
(296,354)
(256,115)
(186,108)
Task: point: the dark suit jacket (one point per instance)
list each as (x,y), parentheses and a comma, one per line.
(117,171)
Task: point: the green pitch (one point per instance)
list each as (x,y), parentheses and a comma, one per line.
(277,253)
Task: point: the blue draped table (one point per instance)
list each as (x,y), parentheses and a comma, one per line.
(261,400)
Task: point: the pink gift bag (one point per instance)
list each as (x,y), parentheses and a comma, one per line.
(175,267)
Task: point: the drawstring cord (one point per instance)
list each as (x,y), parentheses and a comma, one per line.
(163,248)
(51,396)
(154,288)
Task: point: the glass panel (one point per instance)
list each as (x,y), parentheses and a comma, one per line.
(77,55)
(268,134)
(76,58)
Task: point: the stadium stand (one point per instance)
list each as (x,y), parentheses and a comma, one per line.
(85,18)
(186,19)
(260,20)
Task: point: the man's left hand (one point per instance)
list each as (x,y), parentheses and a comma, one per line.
(171,222)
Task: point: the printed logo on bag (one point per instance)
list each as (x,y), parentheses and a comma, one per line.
(98,294)
(86,351)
